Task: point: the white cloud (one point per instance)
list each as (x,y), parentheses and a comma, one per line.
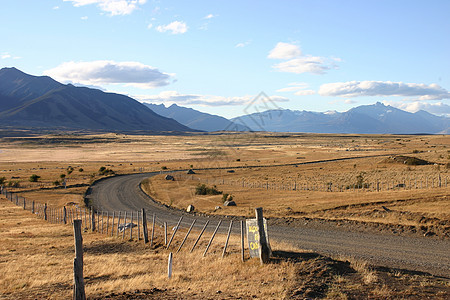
(241,45)
(299,89)
(149,26)
(55,7)
(210,16)
(110,72)
(5,55)
(170,97)
(84,18)
(419,91)
(175,27)
(437,108)
(299,63)
(113,7)
(306,64)
(285,51)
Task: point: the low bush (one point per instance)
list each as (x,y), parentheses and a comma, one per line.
(202,189)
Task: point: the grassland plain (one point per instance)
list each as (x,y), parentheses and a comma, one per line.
(114,268)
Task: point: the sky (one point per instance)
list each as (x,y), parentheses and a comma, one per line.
(222,57)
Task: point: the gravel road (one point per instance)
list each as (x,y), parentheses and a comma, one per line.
(123,193)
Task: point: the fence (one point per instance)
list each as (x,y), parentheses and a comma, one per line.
(375,186)
(129,225)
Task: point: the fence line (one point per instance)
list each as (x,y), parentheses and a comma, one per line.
(100,221)
(373,186)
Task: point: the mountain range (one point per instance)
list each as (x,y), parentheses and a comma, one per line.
(196,119)
(377,118)
(28,101)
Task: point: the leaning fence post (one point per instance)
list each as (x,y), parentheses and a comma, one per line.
(200,235)
(78,288)
(187,234)
(228,237)
(118,223)
(212,237)
(144,226)
(264,254)
(175,231)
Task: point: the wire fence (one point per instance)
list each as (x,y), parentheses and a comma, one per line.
(406,183)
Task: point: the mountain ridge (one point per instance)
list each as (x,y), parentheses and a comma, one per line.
(41,102)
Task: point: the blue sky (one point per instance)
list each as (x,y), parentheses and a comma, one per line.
(217,56)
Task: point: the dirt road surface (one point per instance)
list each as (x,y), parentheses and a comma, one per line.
(429,255)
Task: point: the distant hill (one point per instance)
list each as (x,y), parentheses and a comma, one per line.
(41,102)
(377,118)
(196,119)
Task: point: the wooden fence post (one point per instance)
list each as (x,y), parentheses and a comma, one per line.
(264,255)
(138,227)
(45,211)
(124,224)
(93,220)
(242,240)
(165,233)
(153,231)
(78,288)
(32,207)
(169,265)
(112,225)
(118,223)
(212,237)
(144,226)
(228,237)
(107,222)
(131,227)
(24,204)
(65,215)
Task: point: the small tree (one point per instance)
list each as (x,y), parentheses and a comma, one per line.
(34,178)
(80,170)
(2,180)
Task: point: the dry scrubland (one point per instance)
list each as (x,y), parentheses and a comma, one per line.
(32,247)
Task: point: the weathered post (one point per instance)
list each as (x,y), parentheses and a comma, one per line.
(174,232)
(78,288)
(118,223)
(124,223)
(93,220)
(138,226)
(65,215)
(153,231)
(32,207)
(112,224)
(264,255)
(45,211)
(25,203)
(242,240)
(144,226)
(169,265)
(165,233)
(131,227)
(107,222)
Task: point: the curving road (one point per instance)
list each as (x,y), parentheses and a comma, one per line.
(123,193)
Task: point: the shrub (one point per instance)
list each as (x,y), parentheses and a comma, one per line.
(227,197)
(2,180)
(56,183)
(202,189)
(80,170)
(14,184)
(62,176)
(105,171)
(34,178)
(69,170)
(163,168)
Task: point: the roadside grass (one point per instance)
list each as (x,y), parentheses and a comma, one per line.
(37,259)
